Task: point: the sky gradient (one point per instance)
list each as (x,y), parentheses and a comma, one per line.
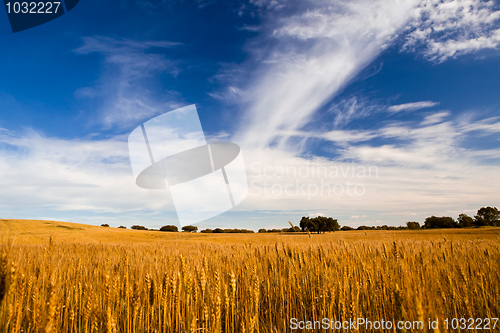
(372,112)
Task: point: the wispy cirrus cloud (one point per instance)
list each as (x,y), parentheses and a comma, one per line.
(351,108)
(411,106)
(130,57)
(337,136)
(435,118)
(315,51)
(305,54)
(437,140)
(114,45)
(128,65)
(484,126)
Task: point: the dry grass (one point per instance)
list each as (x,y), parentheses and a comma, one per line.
(138,281)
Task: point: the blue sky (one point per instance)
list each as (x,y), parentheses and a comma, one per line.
(407,88)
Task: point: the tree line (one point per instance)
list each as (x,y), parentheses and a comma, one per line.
(486,216)
(190,228)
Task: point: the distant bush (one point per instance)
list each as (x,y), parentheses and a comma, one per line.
(238,231)
(207,231)
(189,228)
(294,229)
(139,227)
(346,228)
(440,222)
(262,231)
(465,221)
(122,227)
(229,231)
(319,224)
(105,225)
(413,225)
(169,228)
(487,216)
(364,227)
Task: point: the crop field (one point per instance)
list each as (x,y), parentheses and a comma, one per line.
(63,277)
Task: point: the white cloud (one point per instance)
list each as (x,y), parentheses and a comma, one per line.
(71,175)
(337,136)
(348,136)
(451,28)
(218,137)
(485,126)
(411,106)
(394,155)
(433,142)
(427,170)
(435,118)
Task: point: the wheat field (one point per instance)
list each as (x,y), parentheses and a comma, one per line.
(141,281)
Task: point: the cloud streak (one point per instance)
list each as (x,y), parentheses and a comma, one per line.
(411,106)
(315,53)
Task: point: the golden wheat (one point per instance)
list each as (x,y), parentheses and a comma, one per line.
(244,287)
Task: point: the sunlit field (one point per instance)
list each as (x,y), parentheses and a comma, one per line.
(63,277)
